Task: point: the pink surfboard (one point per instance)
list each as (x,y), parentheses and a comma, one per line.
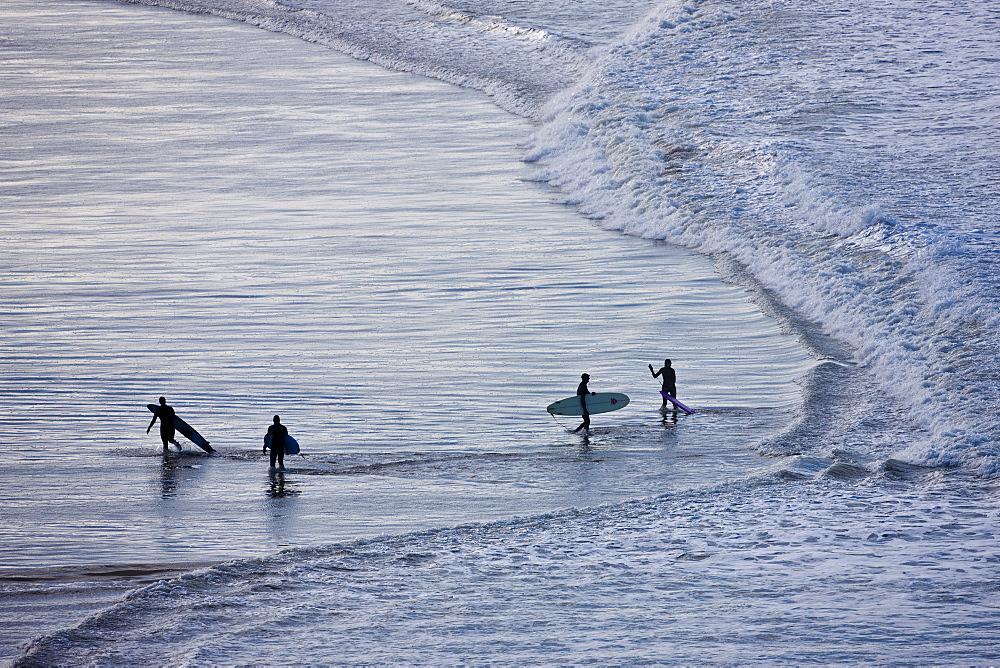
(677,403)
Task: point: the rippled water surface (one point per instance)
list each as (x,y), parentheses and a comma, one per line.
(250,224)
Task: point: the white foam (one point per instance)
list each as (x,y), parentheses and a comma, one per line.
(718,574)
(517,67)
(734,572)
(695,131)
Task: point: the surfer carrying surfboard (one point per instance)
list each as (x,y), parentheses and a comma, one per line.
(669,379)
(582,391)
(166,415)
(276,435)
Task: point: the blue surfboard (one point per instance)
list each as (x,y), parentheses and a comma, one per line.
(291,445)
(187,431)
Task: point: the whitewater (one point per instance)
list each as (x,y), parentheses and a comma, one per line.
(796,200)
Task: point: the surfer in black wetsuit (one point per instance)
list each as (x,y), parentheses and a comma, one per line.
(669,381)
(166,415)
(277,433)
(582,391)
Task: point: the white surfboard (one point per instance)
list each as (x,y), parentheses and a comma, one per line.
(602,402)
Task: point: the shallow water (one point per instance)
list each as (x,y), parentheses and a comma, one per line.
(740,574)
(252,225)
(263,227)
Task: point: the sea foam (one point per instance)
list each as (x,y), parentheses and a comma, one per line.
(698,129)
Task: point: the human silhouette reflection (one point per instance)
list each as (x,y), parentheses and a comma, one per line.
(277,487)
(669,417)
(170,469)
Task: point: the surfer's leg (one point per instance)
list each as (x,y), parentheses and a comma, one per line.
(167,436)
(586,414)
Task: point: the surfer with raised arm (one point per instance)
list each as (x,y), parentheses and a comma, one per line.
(582,391)
(275,439)
(669,380)
(166,416)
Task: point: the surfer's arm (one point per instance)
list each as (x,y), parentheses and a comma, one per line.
(152,422)
(655,373)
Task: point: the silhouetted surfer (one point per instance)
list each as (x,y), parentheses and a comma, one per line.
(582,391)
(277,433)
(669,380)
(166,415)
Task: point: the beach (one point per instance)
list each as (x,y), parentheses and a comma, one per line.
(252,223)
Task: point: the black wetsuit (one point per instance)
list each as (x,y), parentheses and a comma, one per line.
(669,381)
(277,432)
(166,416)
(582,391)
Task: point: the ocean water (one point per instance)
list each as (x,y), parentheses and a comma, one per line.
(409,258)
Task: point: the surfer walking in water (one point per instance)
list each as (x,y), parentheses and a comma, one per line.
(166,416)
(582,391)
(276,435)
(669,381)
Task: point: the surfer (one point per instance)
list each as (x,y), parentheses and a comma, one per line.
(669,380)
(276,435)
(166,415)
(582,391)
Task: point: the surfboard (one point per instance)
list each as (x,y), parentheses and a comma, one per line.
(602,402)
(187,431)
(291,445)
(676,402)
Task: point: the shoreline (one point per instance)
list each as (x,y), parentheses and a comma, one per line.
(447,285)
(144,573)
(41,601)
